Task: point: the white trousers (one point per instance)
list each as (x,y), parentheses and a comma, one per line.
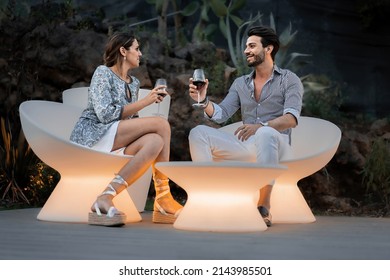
(267,146)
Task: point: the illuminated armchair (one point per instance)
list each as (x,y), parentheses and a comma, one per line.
(84,172)
(314,143)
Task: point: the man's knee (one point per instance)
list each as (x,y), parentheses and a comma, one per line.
(266,134)
(197,132)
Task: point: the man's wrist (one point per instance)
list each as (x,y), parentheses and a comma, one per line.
(264,123)
(204,102)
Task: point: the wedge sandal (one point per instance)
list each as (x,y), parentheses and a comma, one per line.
(159,214)
(113,217)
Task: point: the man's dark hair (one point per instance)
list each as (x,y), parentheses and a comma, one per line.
(268,37)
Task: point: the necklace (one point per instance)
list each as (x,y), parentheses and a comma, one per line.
(127,79)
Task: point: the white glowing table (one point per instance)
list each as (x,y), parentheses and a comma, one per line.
(222,196)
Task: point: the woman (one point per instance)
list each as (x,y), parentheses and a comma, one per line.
(110,123)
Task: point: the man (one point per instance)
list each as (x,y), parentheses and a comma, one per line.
(270,99)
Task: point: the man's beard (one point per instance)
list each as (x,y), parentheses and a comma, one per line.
(259,59)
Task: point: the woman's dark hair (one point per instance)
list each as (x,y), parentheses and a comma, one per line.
(268,37)
(115,42)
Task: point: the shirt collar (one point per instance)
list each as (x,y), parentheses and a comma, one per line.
(248,78)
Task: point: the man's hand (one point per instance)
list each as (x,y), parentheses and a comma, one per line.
(246,130)
(194,90)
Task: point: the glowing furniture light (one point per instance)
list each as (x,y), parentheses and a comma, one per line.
(84,171)
(222,196)
(78,97)
(314,143)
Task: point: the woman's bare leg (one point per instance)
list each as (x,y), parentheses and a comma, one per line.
(164,206)
(145,139)
(148,140)
(150,145)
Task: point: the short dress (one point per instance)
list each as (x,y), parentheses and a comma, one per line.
(106,143)
(98,123)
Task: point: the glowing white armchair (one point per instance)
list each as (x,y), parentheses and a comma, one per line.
(84,171)
(314,143)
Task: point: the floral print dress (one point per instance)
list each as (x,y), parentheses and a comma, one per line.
(107,96)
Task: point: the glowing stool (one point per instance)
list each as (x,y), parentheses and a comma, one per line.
(222,196)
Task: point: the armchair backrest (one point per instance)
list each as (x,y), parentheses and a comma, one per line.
(52,117)
(314,136)
(152,109)
(78,97)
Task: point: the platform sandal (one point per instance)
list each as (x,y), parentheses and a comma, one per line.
(161,215)
(113,217)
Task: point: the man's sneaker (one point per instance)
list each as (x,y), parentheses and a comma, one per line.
(266,215)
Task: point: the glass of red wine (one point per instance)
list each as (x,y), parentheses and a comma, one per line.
(199,80)
(162,91)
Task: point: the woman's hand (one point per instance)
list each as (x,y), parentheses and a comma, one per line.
(156,95)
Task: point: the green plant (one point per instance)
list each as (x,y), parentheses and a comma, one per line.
(15,155)
(284,58)
(217,71)
(203,29)
(322,97)
(376,171)
(161,7)
(225,13)
(41,182)
(24,179)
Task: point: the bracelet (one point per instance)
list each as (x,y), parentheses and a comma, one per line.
(204,102)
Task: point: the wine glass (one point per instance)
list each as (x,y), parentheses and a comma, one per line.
(162,91)
(199,80)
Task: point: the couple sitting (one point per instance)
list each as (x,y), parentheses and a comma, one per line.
(270,99)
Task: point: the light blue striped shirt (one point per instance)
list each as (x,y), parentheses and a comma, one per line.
(281,94)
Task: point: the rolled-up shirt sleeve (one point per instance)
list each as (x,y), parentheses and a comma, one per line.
(293,95)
